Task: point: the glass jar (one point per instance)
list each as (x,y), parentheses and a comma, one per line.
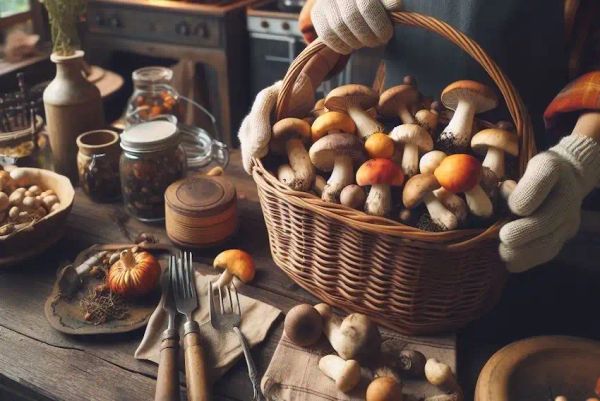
(152,159)
(153,95)
(98,165)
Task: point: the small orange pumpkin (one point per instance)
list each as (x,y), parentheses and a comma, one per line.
(133,274)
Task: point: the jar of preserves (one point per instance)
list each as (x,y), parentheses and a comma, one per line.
(152,159)
(98,164)
(153,95)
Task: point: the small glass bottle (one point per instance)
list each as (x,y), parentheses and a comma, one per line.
(152,159)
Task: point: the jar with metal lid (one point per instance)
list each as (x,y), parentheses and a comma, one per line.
(152,159)
(153,95)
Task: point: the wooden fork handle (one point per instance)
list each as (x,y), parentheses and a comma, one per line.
(167,381)
(195,366)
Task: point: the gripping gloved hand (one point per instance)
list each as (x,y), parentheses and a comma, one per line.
(548,199)
(347,25)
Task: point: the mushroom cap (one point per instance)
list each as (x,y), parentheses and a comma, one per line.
(324,152)
(361,338)
(417,187)
(303,325)
(353,196)
(379,171)
(397,97)
(239,263)
(384,389)
(437,373)
(289,128)
(413,133)
(427,118)
(431,160)
(345,96)
(483,96)
(349,377)
(495,138)
(332,121)
(379,145)
(459,172)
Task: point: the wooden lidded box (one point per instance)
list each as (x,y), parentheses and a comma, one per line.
(200,211)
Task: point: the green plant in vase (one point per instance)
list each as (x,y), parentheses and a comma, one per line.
(64,16)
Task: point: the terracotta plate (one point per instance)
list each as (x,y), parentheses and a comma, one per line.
(65,315)
(541,368)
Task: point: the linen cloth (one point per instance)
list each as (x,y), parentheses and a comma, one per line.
(222,349)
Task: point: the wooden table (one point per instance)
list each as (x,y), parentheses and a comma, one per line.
(39,363)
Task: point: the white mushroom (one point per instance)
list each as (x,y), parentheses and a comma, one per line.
(440,375)
(496,142)
(355,100)
(415,139)
(419,189)
(353,196)
(346,374)
(290,134)
(430,161)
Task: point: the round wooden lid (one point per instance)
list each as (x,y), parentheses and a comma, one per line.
(200,196)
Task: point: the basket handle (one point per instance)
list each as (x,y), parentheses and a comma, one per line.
(513,101)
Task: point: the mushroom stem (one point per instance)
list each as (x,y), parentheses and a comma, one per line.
(458,131)
(224,279)
(478,202)
(365,124)
(405,115)
(454,203)
(346,374)
(319,185)
(410,159)
(439,214)
(341,176)
(506,188)
(300,163)
(379,201)
(286,175)
(494,160)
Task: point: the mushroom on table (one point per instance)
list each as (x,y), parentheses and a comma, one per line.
(289,136)
(355,100)
(414,138)
(419,189)
(466,98)
(397,101)
(386,386)
(345,374)
(496,142)
(337,153)
(380,174)
(235,263)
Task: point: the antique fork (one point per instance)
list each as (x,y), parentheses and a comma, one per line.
(230,321)
(186,299)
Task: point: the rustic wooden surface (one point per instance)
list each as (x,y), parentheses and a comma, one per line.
(39,363)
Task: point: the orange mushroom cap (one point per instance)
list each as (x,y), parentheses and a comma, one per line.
(379,145)
(458,173)
(379,171)
(239,263)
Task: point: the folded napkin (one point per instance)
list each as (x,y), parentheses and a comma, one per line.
(222,349)
(294,375)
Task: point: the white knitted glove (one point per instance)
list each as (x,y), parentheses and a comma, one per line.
(548,198)
(347,25)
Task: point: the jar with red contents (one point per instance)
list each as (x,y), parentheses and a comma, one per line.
(153,95)
(152,159)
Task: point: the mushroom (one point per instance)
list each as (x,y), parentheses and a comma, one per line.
(379,145)
(332,122)
(406,216)
(453,203)
(7,183)
(429,118)
(319,108)
(303,325)
(412,363)
(234,263)
(497,142)
(431,160)
(561,398)
(419,188)
(461,173)
(466,98)
(319,185)
(414,138)
(396,102)
(380,174)
(337,153)
(286,175)
(440,375)
(489,182)
(346,374)
(355,100)
(353,196)
(4,202)
(355,337)
(385,387)
(506,188)
(290,134)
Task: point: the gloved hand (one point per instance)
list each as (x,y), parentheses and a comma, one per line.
(548,198)
(347,25)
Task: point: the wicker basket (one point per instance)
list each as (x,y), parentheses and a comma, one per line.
(410,280)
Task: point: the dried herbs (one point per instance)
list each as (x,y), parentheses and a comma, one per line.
(101,305)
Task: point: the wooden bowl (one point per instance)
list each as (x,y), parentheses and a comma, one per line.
(16,248)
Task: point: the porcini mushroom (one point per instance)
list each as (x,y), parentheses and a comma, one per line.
(385,387)
(345,373)
(431,160)
(419,188)
(355,337)
(303,325)
(397,101)
(440,375)
(414,138)
(319,108)
(428,118)
(234,263)
(496,142)
(290,134)
(506,188)
(353,196)
(337,153)
(286,175)
(461,173)
(453,203)
(355,100)
(466,98)
(379,145)
(380,174)
(319,185)
(332,122)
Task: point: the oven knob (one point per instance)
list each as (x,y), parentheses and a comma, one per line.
(264,24)
(201,30)
(182,29)
(286,26)
(99,20)
(114,21)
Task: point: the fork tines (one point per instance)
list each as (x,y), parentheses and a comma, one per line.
(222,299)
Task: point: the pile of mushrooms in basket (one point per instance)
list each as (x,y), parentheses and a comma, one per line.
(437,166)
